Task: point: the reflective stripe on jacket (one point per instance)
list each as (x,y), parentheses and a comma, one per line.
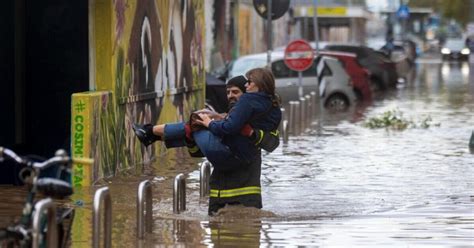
(240,185)
(235,192)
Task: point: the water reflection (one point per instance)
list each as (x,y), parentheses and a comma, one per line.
(245,234)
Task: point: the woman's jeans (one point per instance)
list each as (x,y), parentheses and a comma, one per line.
(210,145)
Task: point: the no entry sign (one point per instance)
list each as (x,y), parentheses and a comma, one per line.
(299,55)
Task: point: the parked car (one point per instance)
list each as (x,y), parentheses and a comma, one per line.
(383,72)
(359,75)
(335,85)
(455,48)
(286,80)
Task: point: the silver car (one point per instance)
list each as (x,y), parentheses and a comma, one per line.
(335,85)
(287,81)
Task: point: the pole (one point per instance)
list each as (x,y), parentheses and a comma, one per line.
(315,25)
(316,41)
(269,30)
(300,84)
(226,30)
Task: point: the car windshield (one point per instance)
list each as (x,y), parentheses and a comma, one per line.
(454,44)
(242,65)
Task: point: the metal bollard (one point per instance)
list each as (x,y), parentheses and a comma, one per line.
(309,111)
(144,200)
(283,117)
(179,194)
(102,195)
(297,119)
(303,114)
(291,117)
(314,109)
(52,233)
(285,132)
(204,178)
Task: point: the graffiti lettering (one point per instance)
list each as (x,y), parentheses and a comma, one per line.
(79,135)
(78,148)
(78,143)
(78,175)
(80,106)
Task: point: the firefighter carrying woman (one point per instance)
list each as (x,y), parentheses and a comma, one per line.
(232,142)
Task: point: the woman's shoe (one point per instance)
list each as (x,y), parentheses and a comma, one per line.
(145,134)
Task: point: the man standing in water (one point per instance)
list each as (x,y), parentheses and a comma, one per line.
(235,185)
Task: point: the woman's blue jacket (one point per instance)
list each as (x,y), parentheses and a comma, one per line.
(253,108)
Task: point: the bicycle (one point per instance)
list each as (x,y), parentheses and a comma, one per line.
(21,233)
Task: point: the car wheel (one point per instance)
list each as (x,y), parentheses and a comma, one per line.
(337,102)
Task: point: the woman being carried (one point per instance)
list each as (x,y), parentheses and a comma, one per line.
(222,142)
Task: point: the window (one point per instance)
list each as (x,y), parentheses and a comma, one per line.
(311,71)
(280,70)
(241,66)
(326,72)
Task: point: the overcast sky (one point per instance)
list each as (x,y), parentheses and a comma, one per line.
(376,5)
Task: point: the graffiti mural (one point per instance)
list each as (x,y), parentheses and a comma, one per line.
(149,58)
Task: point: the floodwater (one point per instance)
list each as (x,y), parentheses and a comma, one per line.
(342,185)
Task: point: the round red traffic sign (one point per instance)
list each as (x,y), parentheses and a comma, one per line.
(299,55)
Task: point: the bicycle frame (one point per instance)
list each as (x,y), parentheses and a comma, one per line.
(22,231)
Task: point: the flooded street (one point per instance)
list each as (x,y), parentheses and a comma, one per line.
(346,185)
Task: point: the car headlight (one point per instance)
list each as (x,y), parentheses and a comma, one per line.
(465,51)
(445,50)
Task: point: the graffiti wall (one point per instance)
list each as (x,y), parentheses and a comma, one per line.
(146,66)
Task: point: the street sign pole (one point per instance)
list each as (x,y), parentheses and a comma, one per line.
(270,10)
(316,41)
(300,84)
(269,30)
(315,25)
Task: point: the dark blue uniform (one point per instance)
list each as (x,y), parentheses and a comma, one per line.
(253,108)
(236,160)
(240,184)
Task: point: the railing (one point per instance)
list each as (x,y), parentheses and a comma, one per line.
(144,206)
(52,233)
(102,197)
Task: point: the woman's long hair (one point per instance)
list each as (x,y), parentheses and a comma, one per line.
(265,82)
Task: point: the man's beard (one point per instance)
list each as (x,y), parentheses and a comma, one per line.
(232,102)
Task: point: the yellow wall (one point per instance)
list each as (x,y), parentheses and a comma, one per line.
(148,67)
